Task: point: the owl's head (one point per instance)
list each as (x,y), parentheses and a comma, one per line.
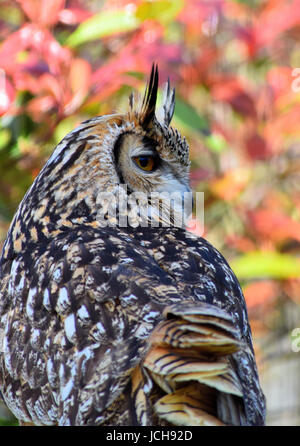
(151,156)
(133,156)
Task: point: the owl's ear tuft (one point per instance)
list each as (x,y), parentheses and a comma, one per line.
(165,112)
(149,100)
(144,109)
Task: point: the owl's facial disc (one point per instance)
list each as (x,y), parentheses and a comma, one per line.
(141,167)
(152,178)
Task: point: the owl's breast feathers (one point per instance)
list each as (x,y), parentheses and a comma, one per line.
(111,326)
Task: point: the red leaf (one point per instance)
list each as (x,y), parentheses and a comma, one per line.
(200,174)
(280,79)
(257,147)
(242,244)
(79,78)
(41,106)
(199,12)
(247,35)
(262,292)
(285,124)
(80,75)
(73,16)
(43,12)
(274,225)
(230,90)
(39,43)
(25,81)
(9,50)
(223,87)
(138,55)
(50,84)
(242,103)
(276,18)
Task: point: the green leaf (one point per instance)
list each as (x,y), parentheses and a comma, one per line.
(258,264)
(11,14)
(164,11)
(65,126)
(103,24)
(5,137)
(216,142)
(251,3)
(187,115)
(4,422)
(136,74)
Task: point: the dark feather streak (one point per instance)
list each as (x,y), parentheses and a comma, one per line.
(150,97)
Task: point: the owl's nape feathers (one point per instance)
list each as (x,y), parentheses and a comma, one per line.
(105,323)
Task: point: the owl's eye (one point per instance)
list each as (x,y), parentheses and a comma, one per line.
(146,162)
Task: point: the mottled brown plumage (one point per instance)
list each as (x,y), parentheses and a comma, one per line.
(105,323)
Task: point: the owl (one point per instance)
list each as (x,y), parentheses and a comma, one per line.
(111,312)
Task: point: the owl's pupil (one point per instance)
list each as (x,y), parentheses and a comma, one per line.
(144,160)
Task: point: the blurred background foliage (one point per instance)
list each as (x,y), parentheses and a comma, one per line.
(235,68)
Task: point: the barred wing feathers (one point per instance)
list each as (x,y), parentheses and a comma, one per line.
(189,361)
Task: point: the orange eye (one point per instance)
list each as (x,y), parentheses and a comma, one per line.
(145,162)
